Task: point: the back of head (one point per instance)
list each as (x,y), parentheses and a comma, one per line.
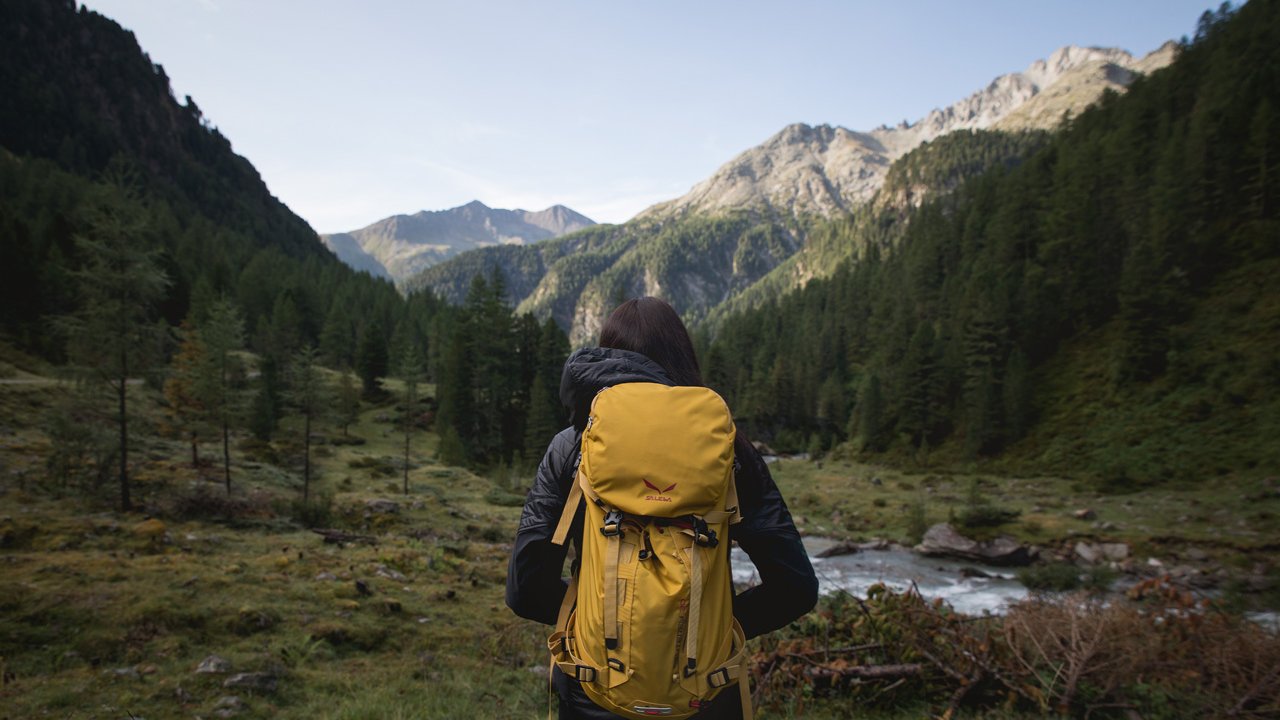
(651,327)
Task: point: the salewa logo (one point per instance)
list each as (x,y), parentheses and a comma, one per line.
(661,495)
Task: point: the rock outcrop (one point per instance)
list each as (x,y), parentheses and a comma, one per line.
(827,170)
(942,540)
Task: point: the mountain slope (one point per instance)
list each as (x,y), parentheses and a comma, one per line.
(400,246)
(1103,308)
(753,215)
(829,170)
(86,113)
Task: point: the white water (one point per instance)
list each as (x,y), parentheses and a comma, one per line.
(899,568)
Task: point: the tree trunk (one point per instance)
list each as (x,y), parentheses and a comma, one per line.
(125,503)
(226,453)
(406,458)
(306,459)
(226,434)
(195,453)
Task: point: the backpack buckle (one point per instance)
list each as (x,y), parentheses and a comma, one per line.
(703,535)
(584,673)
(612,526)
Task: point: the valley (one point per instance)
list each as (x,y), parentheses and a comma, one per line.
(250,471)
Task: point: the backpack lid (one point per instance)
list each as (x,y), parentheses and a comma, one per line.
(659,450)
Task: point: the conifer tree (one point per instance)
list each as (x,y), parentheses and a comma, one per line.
(185,407)
(348,402)
(111,336)
(410,371)
(308,395)
(372,360)
(221,373)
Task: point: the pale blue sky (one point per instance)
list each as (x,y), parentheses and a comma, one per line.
(353,111)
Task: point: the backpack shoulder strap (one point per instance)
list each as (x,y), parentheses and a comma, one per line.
(571,504)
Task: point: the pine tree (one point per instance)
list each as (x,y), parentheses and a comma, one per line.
(308,394)
(348,402)
(111,336)
(870,412)
(410,371)
(371,360)
(221,373)
(185,408)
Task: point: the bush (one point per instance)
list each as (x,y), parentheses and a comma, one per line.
(1053,577)
(986,516)
(917,521)
(318,512)
(204,504)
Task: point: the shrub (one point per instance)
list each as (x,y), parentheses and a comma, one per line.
(1053,577)
(318,512)
(986,516)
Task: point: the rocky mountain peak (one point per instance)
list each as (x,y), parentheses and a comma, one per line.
(400,246)
(827,169)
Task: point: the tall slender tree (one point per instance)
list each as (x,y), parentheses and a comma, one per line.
(308,395)
(112,334)
(222,373)
(409,367)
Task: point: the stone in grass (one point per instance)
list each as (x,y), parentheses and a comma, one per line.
(214,664)
(228,706)
(384,507)
(261,682)
(390,574)
(326,576)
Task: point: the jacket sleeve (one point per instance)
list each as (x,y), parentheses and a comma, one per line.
(535,587)
(788,587)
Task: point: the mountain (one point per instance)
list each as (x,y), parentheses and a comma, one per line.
(743,236)
(402,245)
(87,120)
(830,170)
(1102,308)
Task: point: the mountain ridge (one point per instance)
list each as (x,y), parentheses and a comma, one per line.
(828,169)
(798,178)
(399,246)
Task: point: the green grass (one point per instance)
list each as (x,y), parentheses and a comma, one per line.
(102,615)
(841,499)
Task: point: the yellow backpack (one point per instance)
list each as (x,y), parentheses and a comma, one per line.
(647,626)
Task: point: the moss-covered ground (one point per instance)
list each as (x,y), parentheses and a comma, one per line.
(105,614)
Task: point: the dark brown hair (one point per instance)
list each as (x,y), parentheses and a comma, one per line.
(652,328)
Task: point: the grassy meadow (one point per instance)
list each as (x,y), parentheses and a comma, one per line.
(110,615)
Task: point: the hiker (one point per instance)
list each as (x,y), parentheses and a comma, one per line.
(644,341)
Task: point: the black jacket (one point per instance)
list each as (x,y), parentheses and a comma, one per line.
(535,588)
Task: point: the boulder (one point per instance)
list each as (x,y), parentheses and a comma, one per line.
(942,540)
(1085,514)
(843,548)
(1114,552)
(214,664)
(1089,552)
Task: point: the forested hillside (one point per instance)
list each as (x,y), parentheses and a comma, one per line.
(132,231)
(1102,307)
